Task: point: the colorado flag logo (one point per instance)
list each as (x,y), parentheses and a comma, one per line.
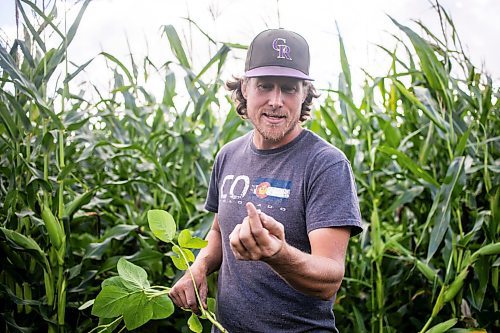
(270,189)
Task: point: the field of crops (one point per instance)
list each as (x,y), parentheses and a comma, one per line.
(78,177)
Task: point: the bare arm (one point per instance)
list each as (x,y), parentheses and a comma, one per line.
(208,260)
(319,274)
(210,257)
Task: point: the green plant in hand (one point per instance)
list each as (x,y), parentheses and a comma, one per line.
(130,297)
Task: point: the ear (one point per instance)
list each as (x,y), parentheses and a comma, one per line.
(304,94)
(244,84)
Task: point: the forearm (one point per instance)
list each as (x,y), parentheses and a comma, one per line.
(313,275)
(210,257)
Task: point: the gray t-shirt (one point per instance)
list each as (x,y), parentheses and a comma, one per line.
(306,184)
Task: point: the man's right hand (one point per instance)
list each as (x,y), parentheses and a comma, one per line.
(183,293)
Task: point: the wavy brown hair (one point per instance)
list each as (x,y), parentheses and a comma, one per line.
(234,86)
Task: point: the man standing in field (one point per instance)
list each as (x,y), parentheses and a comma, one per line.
(284,200)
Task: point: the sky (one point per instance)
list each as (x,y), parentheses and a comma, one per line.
(123,26)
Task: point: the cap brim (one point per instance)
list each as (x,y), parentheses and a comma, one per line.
(277,71)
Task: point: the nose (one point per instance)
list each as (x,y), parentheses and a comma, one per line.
(276,98)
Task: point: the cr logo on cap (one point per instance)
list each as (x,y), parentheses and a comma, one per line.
(279,44)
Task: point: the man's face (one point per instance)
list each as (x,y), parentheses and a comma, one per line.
(273,107)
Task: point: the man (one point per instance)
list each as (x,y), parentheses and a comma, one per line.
(284,200)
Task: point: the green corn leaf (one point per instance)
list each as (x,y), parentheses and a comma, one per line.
(409,164)
(460,147)
(80,68)
(433,69)
(443,327)
(8,122)
(74,27)
(120,64)
(26,19)
(8,64)
(442,205)
(220,57)
(26,243)
(71,207)
(434,117)
(176,46)
(86,305)
(163,307)
(162,224)
(138,311)
(343,60)
(482,270)
(110,302)
(330,124)
(133,274)
(195,324)
(20,112)
(25,50)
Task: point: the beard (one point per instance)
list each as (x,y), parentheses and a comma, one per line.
(275,133)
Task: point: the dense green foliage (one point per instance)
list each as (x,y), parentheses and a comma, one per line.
(77,178)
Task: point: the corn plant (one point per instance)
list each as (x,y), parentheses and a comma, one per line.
(423,143)
(65,224)
(34,174)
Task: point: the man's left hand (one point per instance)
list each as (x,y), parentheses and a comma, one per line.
(258,237)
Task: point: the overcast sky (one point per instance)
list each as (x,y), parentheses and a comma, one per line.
(108,24)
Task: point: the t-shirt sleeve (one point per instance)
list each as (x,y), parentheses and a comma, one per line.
(332,198)
(212,202)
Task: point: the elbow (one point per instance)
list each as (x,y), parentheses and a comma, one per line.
(327,296)
(331,290)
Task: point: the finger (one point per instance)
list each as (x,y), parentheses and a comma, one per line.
(234,241)
(175,298)
(274,227)
(254,218)
(191,300)
(203,294)
(246,237)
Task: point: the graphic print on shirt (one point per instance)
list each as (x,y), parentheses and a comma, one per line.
(265,192)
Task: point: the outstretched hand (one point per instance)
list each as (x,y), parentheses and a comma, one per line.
(258,237)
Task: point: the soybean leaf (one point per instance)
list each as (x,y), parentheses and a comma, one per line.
(110,302)
(139,310)
(119,282)
(194,324)
(162,307)
(162,224)
(178,257)
(134,274)
(211,304)
(186,240)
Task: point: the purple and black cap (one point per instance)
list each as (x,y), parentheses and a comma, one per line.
(278,52)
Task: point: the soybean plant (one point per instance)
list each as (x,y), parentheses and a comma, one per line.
(130,297)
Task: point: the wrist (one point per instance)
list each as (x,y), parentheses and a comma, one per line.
(279,256)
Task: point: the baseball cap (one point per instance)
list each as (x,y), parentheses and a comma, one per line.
(278,52)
